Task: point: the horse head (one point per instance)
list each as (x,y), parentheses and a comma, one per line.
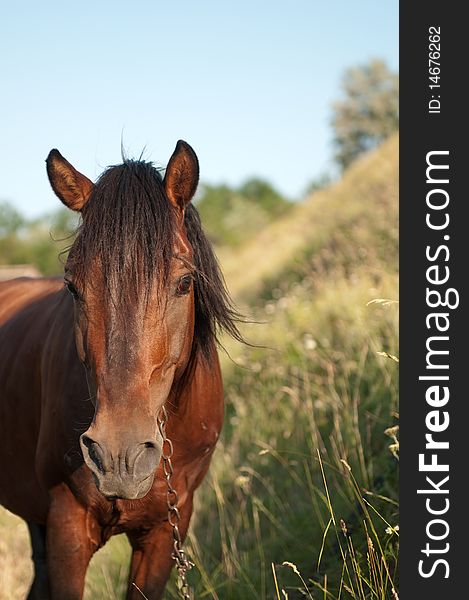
(130,273)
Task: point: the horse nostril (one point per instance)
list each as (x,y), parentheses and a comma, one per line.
(95,455)
(95,452)
(86,441)
(142,459)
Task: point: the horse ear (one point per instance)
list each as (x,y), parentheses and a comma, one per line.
(182,175)
(73,188)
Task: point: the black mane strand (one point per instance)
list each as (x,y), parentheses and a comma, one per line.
(214,310)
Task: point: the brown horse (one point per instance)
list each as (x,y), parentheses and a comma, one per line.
(86,369)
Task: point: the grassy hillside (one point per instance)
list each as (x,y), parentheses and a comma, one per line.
(301,499)
(357,214)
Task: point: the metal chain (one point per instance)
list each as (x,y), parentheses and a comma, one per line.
(179,556)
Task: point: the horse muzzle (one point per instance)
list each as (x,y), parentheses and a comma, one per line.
(126,471)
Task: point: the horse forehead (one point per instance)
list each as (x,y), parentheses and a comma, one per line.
(128,315)
(130,334)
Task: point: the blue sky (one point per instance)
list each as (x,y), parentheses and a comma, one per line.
(248,84)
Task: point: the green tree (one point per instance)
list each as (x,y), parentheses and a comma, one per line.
(10,220)
(368,111)
(260,192)
(232,215)
(37,242)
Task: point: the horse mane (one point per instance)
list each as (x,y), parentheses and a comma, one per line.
(129,226)
(214,309)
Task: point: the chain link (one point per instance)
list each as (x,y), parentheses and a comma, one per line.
(179,556)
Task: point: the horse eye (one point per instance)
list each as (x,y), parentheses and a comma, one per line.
(184,285)
(72,289)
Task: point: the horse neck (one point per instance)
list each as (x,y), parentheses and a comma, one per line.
(202,377)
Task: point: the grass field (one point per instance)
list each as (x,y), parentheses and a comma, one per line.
(302,497)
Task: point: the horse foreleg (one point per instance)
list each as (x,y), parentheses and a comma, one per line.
(40,585)
(69,544)
(151,557)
